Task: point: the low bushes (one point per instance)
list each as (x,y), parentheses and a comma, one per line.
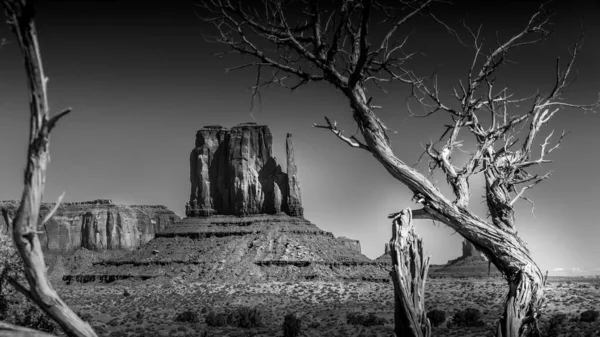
(468,317)
(242,317)
(188,317)
(291,325)
(370,319)
(588,316)
(436,317)
(554,326)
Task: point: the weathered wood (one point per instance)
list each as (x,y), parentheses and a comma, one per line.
(504,248)
(25,223)
(337,42)
(10,330)
(409,273)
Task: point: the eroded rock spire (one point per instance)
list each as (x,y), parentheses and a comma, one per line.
(233,172)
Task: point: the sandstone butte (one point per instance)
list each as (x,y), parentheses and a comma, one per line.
(95,225)
(472,263)
(244,222)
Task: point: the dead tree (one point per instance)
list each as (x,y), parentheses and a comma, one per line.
(10,330)
(19,14)
(305,41)
(409,272)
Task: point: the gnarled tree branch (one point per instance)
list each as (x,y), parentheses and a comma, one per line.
(25,224)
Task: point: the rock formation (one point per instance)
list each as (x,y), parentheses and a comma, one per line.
(245,223)
(472,263)
(385,258)
(350,243)
(233,172)
(468,249)
(294,201)
(251,248)
(96,225)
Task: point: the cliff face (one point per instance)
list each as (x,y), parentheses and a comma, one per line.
(97,225)
(350,243)
(468,249)
(233,172)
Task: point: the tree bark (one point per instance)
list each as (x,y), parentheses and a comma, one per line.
(409,272)
(10,330)
(25,224)
(497,241)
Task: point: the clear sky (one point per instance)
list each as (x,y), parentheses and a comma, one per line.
(142,80)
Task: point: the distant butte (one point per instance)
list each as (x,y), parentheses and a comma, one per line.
(95,225)
(233,172)
(245,222)
(472,263)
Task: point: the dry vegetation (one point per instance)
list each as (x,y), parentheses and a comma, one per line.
(151,308)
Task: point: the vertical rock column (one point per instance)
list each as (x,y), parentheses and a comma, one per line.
(205,189)
(294,200)
(249,150)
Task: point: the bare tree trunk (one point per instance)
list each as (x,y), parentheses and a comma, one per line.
(25,224)
(497,241)
(10,330)
(409,272)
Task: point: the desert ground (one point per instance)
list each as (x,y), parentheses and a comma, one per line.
(149,308)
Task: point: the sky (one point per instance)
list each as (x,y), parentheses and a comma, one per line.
(142,80)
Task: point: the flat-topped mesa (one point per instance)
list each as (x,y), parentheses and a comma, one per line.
(95,225)
(233,172)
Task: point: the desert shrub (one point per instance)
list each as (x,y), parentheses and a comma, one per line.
(468,317)
(291,325)
(216,319)
(14,307)
(436,317)
(30,316)
(588,316)
(187,316)
(241,317)
(370,319)
(245,317)
(554,326)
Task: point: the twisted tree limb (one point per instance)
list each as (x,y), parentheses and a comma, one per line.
(25,223)
(312,41)
(10,330)
(409,272)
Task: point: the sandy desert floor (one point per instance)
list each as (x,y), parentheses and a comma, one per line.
(151,308)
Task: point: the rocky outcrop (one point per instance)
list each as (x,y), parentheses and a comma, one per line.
(233,172)
(471,263)
(385,258)
(350,243)
(294,200)
(244,223)
(252,248)
(468,250)
(96,225)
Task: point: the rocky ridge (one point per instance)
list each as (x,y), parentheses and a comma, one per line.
(95,225)
(471,263)
(241,249)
